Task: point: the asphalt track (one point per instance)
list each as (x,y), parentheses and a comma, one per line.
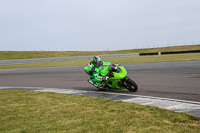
(177,80)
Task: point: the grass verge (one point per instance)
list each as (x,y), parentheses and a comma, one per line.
(26,111)
(134,59)
(11,55)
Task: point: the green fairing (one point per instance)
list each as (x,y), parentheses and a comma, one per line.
(112,82)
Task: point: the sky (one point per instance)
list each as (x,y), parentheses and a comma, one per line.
(93,25)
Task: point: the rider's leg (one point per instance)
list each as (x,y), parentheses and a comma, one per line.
(96,83)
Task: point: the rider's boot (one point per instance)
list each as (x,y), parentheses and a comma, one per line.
(96,85)
(93,83)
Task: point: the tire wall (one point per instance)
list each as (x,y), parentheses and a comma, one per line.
(174,52)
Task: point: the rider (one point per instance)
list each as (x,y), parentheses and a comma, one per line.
(94,71)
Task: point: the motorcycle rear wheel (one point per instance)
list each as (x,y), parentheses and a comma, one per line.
(131,85)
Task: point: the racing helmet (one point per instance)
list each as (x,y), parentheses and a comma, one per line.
(97,61)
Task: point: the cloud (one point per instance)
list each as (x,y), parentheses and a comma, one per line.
(104,23)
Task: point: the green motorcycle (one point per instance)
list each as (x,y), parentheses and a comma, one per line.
(118,78)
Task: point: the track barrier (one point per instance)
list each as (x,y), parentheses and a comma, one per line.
(174,52)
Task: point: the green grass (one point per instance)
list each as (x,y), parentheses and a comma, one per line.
(10,55)
(26,111)
(120,60)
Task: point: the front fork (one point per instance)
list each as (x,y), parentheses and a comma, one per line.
(124,81)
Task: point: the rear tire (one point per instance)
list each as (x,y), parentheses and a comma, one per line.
(131,85)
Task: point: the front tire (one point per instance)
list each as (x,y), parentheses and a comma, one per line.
(131,85)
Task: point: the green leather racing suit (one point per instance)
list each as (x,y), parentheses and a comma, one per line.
(94,72)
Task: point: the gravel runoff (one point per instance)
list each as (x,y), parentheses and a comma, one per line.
(165,103)
(23,61)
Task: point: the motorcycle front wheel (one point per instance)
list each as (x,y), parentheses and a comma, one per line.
(131,85)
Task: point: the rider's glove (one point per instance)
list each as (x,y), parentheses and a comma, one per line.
(115,64)
(105,78)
